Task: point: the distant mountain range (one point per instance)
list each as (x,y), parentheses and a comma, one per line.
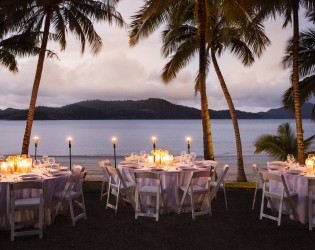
(144,109)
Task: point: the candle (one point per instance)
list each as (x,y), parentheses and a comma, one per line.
(69,140)
(309,164)
(151,160)
(36,140)
(114,142)
(188,144)
(4,167)
(154,140)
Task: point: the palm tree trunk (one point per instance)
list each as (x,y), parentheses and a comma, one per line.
(240,165)
(295,80)
(207,137)
(38,75)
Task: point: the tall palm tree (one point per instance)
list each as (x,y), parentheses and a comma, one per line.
(289,9)
(280,145)
(180,44)
(59,17)
(155,13)
(306,70)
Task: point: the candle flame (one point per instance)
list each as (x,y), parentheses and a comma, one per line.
(35,138)
(188,139)
(69,139)
(154,138)
(114,139)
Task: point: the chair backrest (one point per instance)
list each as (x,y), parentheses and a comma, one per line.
(201,174)
(128,158)
(77,169)
(270,176)
(223,173)
(111,170)
(104,163)
(148,175)
(256,173)
(77,181)
(27,185)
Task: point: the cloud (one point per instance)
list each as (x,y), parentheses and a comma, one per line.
(119,72)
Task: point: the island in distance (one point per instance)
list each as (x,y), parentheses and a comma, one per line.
(151,108)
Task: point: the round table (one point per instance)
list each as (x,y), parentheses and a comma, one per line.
(170,182)
(297,183)
(52,185)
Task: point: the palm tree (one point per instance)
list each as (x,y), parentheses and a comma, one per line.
(280,145)
(75,16)
(289,9)
(155,13)
(306,70)
(180,43)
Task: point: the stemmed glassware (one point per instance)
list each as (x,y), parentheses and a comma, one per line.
(45,158)
(134,155)
(290,159)
(37,164)
(182,156)
(193,156)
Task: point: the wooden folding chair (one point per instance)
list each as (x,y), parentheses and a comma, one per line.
(27,204)
(117,183)
(152,190)
(259,183)
(282,194)
(311,202)
(191,189)
(105,179)
(215,185)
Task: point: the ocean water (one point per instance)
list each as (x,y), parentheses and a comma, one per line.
(92,139)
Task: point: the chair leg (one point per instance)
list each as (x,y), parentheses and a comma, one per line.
(117,199)
(108,194)
(192,206)
(262,204)
(254,200)
(71,211)
(280,211)
(102,190)
(83,203)
(293,209)
(225,199)
(137,203)
(181,203)
(209,197)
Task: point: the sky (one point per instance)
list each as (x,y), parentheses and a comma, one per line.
(120,72)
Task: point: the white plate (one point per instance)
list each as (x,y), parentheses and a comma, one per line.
(29,176)
(185,168)
(127,162)
(157,169)
(56,173)
(275,167)
(61,168)
(295,171)
(201,166)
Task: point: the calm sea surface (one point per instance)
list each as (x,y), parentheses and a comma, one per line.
(93,138)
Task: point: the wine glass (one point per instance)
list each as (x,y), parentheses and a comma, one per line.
(309,156)
(134,155)
(142,152)
(37,164)
(290,158)
(193,156)
(2,158)
(182,156)
(45,158)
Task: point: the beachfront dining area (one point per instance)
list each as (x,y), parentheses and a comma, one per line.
(191,193)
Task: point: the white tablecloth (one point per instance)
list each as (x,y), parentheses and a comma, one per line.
(52,185)
(298,184)
(171,181)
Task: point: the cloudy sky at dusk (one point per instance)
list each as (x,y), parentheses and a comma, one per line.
(119,72)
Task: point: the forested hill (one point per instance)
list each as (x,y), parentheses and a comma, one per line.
(144,109)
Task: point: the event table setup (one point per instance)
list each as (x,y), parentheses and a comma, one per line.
(174,173)
(296,178)
(23,169)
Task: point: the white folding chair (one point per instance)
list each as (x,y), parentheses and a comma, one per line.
(215,185)
(152,190)
(311,202)
(77,169)
(191,189)
(259,183)
(74,195)
(105,179)
(27,204)
(117,183)
(282,194)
